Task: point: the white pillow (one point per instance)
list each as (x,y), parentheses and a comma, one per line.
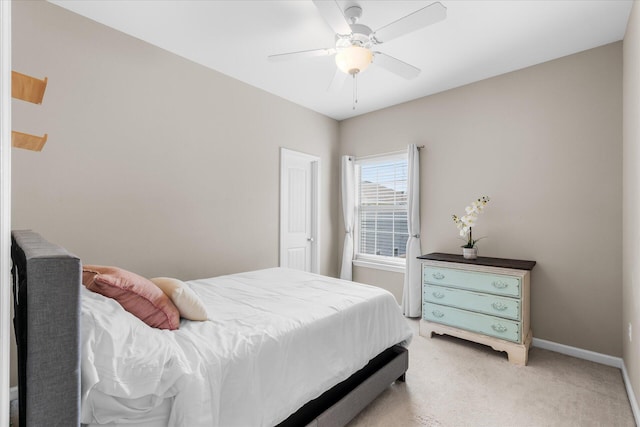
(188,303)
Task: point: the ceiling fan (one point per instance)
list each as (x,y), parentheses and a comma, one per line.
(356,44)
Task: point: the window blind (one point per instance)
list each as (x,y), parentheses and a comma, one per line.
(382,206)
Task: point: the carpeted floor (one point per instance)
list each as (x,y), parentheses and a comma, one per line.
(452,382)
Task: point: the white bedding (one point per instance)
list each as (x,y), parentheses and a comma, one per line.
(275,339)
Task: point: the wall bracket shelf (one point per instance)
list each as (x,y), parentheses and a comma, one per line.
(27,141)
(27,88)
(30,89)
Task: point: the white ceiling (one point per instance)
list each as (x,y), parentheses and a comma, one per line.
(477,40)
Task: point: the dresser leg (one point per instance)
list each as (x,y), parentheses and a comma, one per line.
(425,329)
(518,356)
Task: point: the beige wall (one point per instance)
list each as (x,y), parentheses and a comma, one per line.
(631,199)
(391,281)
(154,163)
(545,144)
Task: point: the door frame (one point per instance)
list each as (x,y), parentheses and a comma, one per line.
(5,208)
(285,154)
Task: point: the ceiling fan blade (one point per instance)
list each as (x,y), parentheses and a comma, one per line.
(421,18)
(301,54)
(396,66)
(332,14)
(337,82)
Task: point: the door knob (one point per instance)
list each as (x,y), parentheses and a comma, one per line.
(309,239)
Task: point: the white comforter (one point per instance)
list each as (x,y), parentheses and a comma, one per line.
(275,339)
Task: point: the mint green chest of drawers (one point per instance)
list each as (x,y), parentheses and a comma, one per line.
(484,300)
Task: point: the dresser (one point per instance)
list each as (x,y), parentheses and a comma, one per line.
(485,300)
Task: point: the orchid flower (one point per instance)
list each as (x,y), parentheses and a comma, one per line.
(466,222)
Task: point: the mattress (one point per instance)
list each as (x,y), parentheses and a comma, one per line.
(275,339)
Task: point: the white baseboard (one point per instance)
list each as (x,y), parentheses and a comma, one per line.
(632,396)
(605,359)
(13,393)
(580,353)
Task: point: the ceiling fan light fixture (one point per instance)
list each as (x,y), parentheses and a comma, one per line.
(353,59)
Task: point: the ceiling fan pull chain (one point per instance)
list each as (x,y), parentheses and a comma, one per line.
(355,80)
(355,89)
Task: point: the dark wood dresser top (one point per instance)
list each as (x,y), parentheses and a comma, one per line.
(516,264)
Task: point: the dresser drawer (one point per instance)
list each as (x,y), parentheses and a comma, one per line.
(497,284)
(484,303)
(488,325)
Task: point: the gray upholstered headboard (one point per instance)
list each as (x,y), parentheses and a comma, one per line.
(47,282)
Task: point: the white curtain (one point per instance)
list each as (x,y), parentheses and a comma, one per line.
(411,294)
(348,212)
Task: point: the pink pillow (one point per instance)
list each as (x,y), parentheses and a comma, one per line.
(137,295)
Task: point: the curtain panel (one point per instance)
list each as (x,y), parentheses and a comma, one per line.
(411,294)
(348,212)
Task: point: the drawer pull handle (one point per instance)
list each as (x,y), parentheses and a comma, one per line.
(499,328)
(499,284)
(438,313)
(438,276)
(438,294)
(499,306)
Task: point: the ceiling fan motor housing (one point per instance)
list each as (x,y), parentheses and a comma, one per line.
(361,35)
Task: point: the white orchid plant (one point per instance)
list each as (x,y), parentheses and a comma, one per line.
(466,222)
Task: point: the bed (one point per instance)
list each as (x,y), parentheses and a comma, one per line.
(317,358)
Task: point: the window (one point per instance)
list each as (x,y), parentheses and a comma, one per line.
(381,221)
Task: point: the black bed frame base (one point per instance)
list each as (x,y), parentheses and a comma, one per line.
(340,404)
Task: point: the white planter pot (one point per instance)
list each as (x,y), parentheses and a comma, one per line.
(470,253)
